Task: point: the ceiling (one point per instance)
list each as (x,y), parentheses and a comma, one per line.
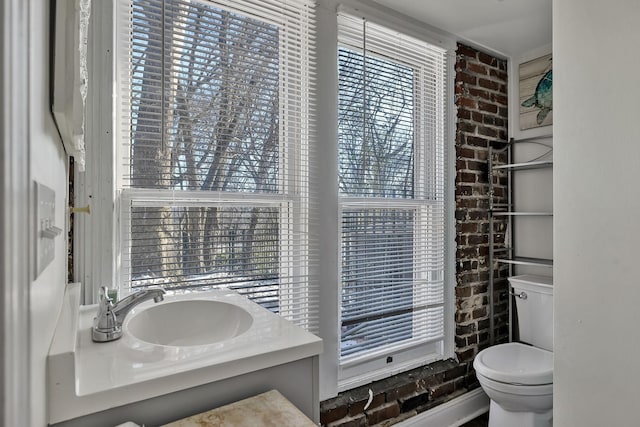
(509,27)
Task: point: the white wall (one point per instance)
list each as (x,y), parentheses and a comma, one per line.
(48,166)
(597,205)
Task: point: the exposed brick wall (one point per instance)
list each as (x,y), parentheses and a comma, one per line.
(481,100)
(481,97)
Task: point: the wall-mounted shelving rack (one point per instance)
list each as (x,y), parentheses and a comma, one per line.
(507,255)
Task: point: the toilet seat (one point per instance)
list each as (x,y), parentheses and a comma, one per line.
(515,363)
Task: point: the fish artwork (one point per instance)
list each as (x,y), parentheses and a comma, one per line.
(542,97)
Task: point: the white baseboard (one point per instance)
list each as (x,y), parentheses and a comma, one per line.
(452,413)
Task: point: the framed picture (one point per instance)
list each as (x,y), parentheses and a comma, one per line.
(536,93)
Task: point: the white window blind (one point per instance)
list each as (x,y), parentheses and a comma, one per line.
(214,121)
(392,145)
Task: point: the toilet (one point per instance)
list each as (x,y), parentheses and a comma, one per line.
(518,376)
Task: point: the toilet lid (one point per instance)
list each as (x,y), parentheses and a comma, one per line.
(515,363)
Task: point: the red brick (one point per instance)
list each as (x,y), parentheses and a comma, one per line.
(472,339)
(476,116)
(500,99)
(469,227)
(464,190)
(466,78)
(411,402)
(462,317)
(358,407)
(463,292)
(464,279)
(333,414)
(467,177)
(490,132)
(478,214)
(465,329)
(456,372)
(477,141)
(479,312)
(465,355)
(487,59)
(478,239)
(466,51)
(485,106)
(463,113)
(488,120)
(480,93)
(476,166)
(401,390)
(477,68)
(357,421)
(466,253)
(441,390)
(488,84)
(468,127)
(467,102)
(382,413)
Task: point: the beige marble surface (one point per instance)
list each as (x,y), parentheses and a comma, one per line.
(270,409)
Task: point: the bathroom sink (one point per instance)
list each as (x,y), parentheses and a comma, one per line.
(188,322)
(191,339)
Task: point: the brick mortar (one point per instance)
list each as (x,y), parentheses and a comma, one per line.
(409,393)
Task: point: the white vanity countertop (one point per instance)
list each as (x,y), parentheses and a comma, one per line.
(86,377)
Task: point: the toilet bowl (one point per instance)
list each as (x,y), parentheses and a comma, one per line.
(517,377)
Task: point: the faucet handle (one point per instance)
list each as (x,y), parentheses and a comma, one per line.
(104,294)
(105,324)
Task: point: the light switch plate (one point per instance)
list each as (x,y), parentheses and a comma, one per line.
(45,220)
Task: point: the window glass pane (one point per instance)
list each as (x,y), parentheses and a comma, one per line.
(377,278)
(205,99)
(215,247)
(375,126)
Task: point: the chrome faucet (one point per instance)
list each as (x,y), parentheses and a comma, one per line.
(107,325)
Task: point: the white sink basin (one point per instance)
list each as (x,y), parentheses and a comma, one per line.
(188,322)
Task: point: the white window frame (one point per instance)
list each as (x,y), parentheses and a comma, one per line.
(357,371)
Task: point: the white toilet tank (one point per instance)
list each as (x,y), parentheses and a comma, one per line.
(535,311)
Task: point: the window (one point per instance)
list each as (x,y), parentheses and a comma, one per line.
(214,117)
(217,181)
(391,144)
